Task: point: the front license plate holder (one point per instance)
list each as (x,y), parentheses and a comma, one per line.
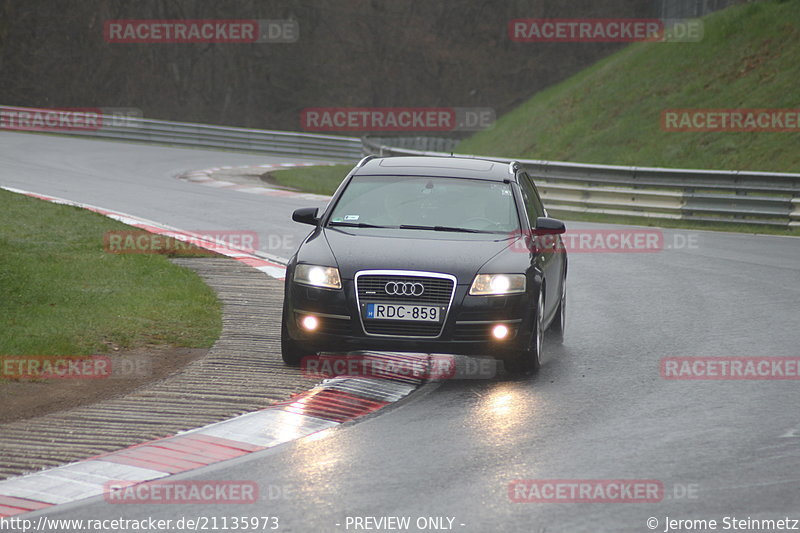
(402,312)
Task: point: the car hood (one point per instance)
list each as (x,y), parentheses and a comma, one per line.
(460,254)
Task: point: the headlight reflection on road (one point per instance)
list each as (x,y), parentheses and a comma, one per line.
(499,411)
(319,435)
(317,457)
(501,405)
(316,460)
(291,426)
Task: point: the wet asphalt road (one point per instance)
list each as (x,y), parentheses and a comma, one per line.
(598,409)
(140,179)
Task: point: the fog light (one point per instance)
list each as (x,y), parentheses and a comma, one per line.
(310,322)
(500,331)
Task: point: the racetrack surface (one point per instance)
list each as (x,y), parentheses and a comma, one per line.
(598,409)
(140,179)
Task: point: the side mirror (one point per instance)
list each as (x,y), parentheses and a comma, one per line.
(306,215)
(549,226)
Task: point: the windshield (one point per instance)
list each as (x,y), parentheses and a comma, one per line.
(447,204)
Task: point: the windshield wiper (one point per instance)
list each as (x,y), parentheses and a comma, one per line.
(441,228)
(355,225)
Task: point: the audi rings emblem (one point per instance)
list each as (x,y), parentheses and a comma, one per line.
(404,288)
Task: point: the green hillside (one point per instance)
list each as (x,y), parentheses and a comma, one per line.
(611,112)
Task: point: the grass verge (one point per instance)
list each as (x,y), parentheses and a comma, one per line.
(318,179)
(62,294)
(611,112)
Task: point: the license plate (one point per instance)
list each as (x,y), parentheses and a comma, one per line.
(414,313)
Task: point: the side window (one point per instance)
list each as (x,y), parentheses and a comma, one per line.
(533,205)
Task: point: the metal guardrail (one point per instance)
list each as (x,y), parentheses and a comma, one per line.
(676,9)
(428,144)
(132,128)
(736,197)
(743,197)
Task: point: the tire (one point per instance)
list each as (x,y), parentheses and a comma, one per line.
(529,360)
(558,325)
(292,352)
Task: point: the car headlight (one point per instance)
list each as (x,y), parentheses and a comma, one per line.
(318,276)
(496,284)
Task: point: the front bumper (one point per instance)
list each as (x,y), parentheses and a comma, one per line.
(467,328)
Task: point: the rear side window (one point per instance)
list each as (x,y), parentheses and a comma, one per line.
(533,205)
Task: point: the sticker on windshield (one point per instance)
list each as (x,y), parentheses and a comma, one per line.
(351,217)
(502,187)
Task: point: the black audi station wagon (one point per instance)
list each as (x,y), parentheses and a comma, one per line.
(432,255)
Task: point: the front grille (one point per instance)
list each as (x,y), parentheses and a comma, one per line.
(437,290)
(372,288)
(402,329)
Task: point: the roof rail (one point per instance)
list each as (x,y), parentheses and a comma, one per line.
(365,159)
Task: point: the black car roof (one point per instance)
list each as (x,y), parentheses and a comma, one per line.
(465,167)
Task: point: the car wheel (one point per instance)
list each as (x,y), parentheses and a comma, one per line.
(560,320)
(529,360)
(292,352)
